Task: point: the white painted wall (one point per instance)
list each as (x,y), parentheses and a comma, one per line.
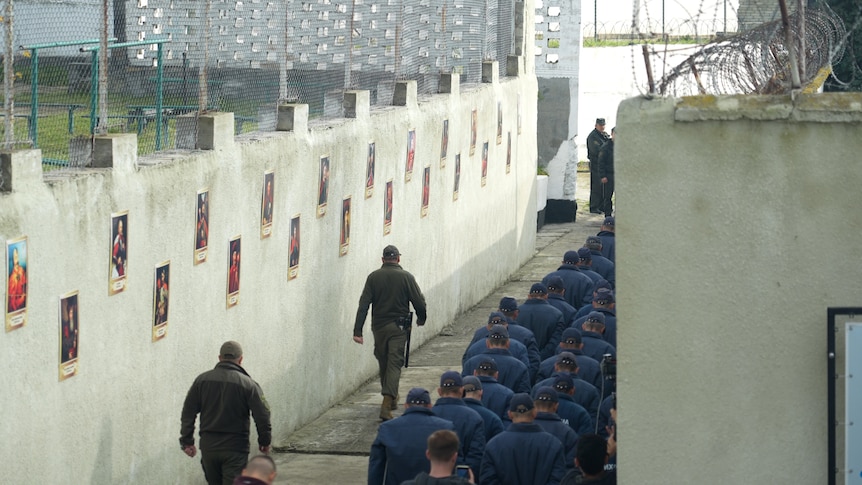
(737,226)
(117,421)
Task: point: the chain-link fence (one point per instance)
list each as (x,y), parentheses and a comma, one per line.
(84,67)
(671,29)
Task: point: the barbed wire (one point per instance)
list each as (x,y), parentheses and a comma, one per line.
(756,61)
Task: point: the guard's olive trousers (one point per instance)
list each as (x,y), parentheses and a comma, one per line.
(389,343)
(221,467)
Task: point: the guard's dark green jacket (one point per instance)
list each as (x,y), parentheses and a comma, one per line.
(390,290)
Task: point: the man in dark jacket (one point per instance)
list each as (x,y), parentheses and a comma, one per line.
(601,264)
(545,321)
(604,303)
(547,402)
(595,345)
(442,453)
(389,290)
(588,369)
(606,173)
(512,372)
(595,140)
(468,423)
(495,396)
(585,394)
(516,347)
(398,451)
(524,453)
(585,265)
(556,292)
(608,236)
(473,399)
(579,287)
(224,397)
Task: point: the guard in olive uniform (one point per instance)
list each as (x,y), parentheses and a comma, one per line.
(389,290)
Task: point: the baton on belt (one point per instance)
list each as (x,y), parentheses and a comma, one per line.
(406,324)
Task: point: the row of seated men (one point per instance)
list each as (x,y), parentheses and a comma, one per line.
(534,402)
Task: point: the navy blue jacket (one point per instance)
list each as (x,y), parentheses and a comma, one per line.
(586,394)
(595,346)
(588,270)
(605,419)
(574,415)
(398,452)
(579,287)
(557,301)
(610,334)
(469,427)
(513,373)
(493,423)
(521,334)
(609,242)
(517,349)
(546,323)
(524,454)
(588,369)
(604,267)
(496,396)
(551,423)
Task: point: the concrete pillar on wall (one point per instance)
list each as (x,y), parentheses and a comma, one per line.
(20,169)
(357,104)
(118,151)
(292,117)
(514,66)
(215,131)
(405,94)
(490,72)
(450,83)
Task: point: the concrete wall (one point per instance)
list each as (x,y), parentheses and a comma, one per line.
(737,227)
(117,420)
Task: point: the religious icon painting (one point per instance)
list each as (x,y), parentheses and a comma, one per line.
(17,268)
(202,227)
(426,187)
(411,155)
(345,227)
(160,300)
(519,113)
(484,162)
(323,187)
(233,266)
(499,122)
(369,171)
(457,176)
(387,209)
(293,257)
(119,252)
(474,126)
(509,152)
(444,143)
(266,203)
(69,333)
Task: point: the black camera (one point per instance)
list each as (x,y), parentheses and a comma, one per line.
(609,367)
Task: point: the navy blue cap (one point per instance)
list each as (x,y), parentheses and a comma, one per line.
(498,332)
(594,243)
(564,382)
(472,383)
(451,378)
(497,317)
(584,254)
(571,335)
(567,358)
(609,221)
(604,296)
(596,317)
(570,257)
(521,403)
(603,283)
(547,393)
(538,289)
(488,364)
(556,283)
(508,304)
(418,395)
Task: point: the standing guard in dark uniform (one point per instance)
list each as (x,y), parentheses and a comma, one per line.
(389,290)
(595,140)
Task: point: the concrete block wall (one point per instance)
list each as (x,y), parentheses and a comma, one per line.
(117,420)
(737,227)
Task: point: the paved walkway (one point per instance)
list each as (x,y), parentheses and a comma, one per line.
(334,448)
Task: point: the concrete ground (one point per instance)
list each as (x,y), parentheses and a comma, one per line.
(334,448)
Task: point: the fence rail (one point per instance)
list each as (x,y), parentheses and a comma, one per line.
(169,60)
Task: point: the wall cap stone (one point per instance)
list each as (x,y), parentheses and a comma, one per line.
(819,107)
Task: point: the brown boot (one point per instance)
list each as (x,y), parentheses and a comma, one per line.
(394,405)
(386,408)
